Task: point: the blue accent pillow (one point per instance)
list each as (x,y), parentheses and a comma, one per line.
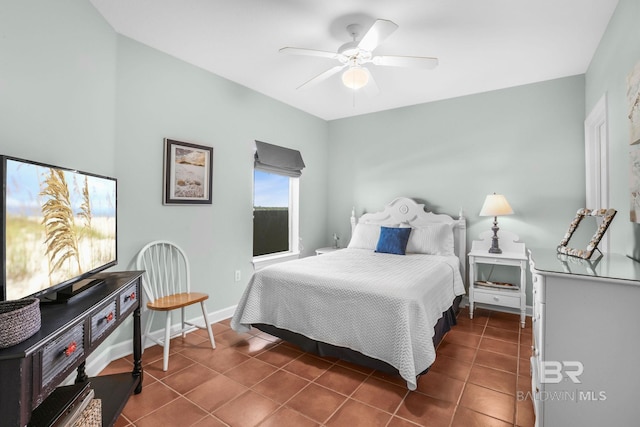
(393,240)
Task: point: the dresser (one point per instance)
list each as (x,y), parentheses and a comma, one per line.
(586,340)
(31,371)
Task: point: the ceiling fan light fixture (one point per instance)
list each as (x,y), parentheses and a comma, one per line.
(355,77)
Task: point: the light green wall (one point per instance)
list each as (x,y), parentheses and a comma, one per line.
(74,93)
(618,52)
(525,142)
(57,84)
(160,96)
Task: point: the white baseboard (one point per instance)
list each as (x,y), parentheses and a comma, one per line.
(98,361)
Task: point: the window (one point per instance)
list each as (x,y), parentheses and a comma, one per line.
(275,202)
(274,213)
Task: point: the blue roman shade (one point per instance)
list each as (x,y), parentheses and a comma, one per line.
(279,160)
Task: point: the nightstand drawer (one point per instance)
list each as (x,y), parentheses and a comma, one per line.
(497,298)
(498,261)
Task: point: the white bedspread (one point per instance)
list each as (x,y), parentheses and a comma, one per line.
(384,306)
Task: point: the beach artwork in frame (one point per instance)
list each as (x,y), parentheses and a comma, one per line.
(634,185)
(188,173)
(633,104)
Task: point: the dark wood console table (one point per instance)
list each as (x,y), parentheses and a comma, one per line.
(31,371)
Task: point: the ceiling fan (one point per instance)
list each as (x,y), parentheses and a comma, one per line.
(354,54)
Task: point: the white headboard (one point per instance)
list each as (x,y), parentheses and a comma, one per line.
(406,211)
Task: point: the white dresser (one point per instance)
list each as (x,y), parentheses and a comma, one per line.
(586,340)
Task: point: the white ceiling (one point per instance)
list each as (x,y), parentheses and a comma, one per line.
(482,45)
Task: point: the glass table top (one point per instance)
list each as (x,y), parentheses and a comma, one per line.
(613,266)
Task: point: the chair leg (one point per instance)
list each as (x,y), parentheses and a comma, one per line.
(167,340)
(208,325)
(182,323)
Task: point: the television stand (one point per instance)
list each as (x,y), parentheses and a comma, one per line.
(32,370)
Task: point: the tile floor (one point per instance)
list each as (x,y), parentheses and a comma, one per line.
(256,379)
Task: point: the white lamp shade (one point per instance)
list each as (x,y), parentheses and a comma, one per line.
(355,77)
(495,205)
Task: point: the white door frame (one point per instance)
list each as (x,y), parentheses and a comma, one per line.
(596,134)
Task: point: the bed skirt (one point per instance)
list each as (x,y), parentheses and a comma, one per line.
(445,323)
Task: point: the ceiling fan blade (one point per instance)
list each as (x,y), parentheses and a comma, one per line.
(379,31)
(321,77)
(310,52)
(371,88)
(406,61)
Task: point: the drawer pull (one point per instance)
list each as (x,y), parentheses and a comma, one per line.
(70,349)
(130,297)
(109,317)
(536,352)
(496,299)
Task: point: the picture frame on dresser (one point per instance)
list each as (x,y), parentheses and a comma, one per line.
(605,217)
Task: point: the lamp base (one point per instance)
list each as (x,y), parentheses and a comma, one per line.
(495,249)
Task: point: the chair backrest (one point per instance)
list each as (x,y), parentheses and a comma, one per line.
(166,269)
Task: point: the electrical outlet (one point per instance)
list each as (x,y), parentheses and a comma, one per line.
(238,275)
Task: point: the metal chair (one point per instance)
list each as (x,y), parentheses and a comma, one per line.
(166,284)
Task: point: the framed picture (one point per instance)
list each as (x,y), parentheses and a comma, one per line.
(634,185)
(188,173)
(633,104)
(605,214)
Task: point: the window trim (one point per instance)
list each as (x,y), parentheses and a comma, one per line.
(262,261)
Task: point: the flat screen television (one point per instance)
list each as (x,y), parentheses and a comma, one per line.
(58,229)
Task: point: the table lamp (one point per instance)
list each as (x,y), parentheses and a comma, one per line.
(495,205)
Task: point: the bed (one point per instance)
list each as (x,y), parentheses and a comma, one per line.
(367,303)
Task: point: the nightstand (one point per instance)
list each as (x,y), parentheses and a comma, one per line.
(326,250)
(513,255)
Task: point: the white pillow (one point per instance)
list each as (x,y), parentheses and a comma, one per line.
(365,236)
(432,239)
